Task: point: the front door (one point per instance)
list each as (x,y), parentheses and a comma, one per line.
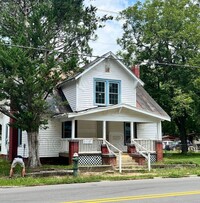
(116,135)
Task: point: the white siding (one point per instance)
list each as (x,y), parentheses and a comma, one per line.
(87,129)
(70,93)
(85,87)
(147,131)
(23,149)
(49,141)
(4,120)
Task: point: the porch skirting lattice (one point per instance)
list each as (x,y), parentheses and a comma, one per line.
(95,159)
(153,158)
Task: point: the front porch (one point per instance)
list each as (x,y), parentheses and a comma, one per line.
(102,134)
(97,151)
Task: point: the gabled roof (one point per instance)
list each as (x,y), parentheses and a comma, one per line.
(144,102)
(98,60)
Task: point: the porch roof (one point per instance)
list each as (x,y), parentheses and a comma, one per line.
(119,107)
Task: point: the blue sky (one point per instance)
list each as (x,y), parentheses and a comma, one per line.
(108,35)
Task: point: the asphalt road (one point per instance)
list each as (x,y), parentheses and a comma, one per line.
(184,190)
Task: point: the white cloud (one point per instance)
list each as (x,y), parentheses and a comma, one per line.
(108,35)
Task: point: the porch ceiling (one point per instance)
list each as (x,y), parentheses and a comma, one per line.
(121,112)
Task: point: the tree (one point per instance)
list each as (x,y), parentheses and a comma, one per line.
(165,34)
(40,41)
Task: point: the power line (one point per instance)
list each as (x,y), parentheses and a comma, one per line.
(180,65)
(95,56)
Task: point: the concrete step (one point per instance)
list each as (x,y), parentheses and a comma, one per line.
(129,165)
(127,160)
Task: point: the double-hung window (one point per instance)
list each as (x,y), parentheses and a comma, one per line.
(107,92)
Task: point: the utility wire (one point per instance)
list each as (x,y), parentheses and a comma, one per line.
(95,56)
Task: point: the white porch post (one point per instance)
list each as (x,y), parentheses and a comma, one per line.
(104,131)
(132,136)
(73,129)
(159,131)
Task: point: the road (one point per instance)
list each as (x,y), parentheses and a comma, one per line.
(184,190)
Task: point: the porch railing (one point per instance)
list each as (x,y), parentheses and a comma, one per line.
(90,145)
(147,144)
(145,148)
(115,151)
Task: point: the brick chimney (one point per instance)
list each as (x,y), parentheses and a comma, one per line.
(136,70)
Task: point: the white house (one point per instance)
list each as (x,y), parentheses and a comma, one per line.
(108,112)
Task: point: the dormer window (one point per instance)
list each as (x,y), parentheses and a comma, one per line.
(107,92)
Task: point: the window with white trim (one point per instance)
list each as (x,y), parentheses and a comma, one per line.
(107,92)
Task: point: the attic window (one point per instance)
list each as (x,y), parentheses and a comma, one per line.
(107,92)
(107,69)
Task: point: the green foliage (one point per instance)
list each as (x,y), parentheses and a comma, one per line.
(5,167)
(40,42)
(165,34)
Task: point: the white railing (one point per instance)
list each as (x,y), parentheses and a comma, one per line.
(147,144)
(145,147)
(115,151)
(90,145)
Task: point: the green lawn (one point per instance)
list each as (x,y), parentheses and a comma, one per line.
(174,157)
(179,169)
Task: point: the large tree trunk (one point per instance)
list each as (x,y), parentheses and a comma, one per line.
(181,123)
(34,159)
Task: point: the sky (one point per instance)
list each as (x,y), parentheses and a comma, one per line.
(108,35)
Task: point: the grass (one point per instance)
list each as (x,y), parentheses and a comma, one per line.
(178,158)
(178,161)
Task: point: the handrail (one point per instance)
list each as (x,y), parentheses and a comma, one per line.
(119,155)
(140,149)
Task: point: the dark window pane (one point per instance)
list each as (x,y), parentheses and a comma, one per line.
(66,129)
(100,86)
(127,133)
(100,98)
(113,87)
(113,99)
